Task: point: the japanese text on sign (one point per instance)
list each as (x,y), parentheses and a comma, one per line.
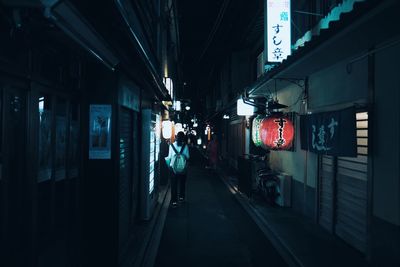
(278,30)
(320,136)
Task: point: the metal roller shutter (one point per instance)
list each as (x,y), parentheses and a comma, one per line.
(343,191)
(125,173)
(351,208)
(326,191)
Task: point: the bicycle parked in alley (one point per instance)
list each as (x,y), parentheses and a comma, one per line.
(267,182)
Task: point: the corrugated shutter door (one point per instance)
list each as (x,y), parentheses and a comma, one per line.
(125,173)
(326,192)
(351,208)
(135,167)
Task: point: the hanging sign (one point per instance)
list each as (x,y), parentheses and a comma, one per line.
(255,131)
(330,133)
(277,132)
(278,30)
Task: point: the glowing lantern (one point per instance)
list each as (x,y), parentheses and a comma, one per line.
(277,132)
(172,139)
(166,129)
(178,128)
(255,131)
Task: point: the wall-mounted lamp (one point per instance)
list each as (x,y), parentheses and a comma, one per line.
(244,109)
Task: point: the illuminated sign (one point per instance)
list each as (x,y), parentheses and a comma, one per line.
(177,105)
(278,30)
(244,109)
(169,85)
(277,132)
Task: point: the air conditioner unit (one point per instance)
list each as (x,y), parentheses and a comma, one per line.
(285,190)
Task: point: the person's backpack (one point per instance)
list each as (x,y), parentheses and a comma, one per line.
(178,161)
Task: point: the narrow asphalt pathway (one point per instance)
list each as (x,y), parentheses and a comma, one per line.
(211,228)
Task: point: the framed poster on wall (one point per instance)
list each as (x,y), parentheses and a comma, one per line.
(100,132)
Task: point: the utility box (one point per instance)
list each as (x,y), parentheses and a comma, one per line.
(285,190)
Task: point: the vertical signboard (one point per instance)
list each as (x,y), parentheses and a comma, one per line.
(278,28)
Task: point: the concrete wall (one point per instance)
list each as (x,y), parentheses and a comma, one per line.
(339,84)
(299,163)
(290,162)
(329,89)
(343,84)
(386,119)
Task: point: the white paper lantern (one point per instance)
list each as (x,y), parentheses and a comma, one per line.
(178,128)
(166,129)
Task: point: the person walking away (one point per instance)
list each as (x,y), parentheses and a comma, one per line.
(212,150)
(178,155)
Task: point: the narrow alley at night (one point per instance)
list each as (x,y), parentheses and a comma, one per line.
(158,133)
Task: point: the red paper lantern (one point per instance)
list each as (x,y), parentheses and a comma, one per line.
(277,132)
